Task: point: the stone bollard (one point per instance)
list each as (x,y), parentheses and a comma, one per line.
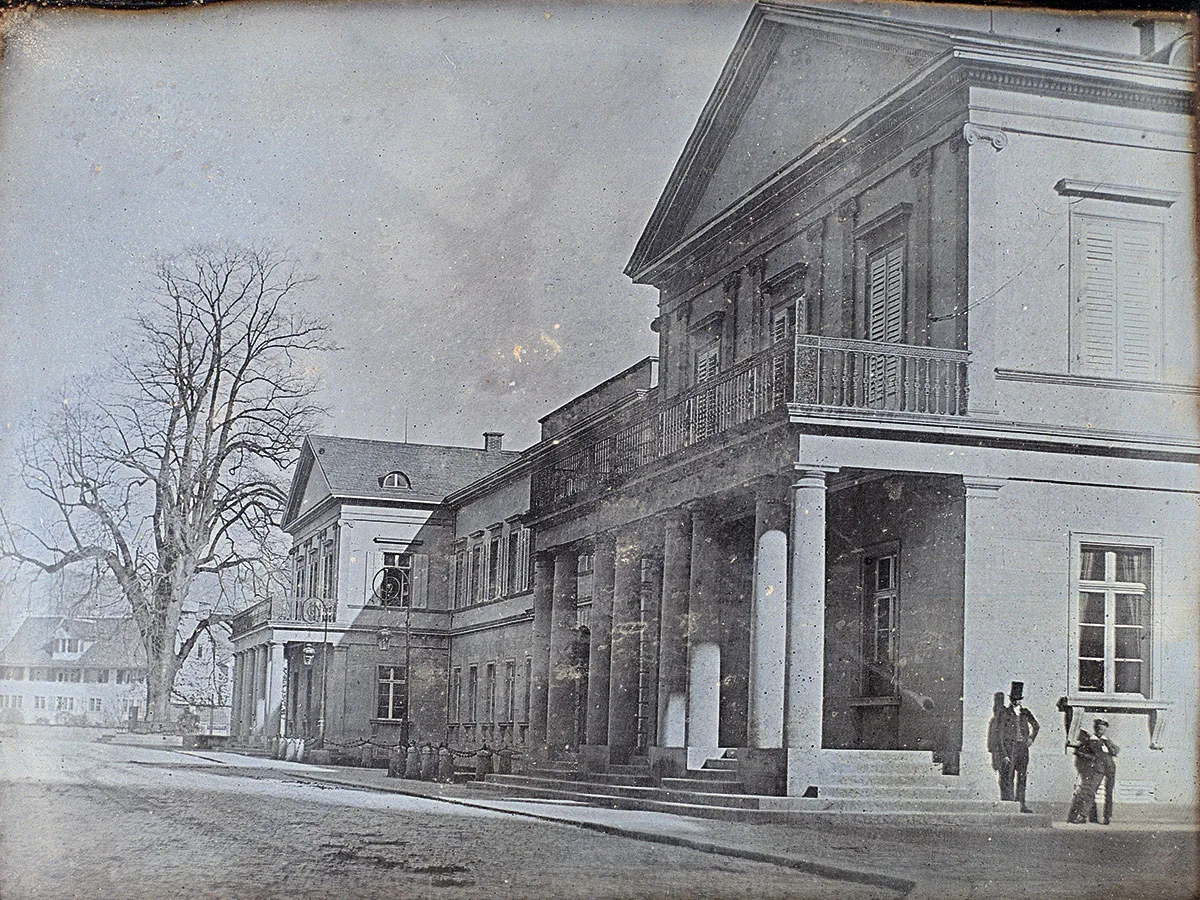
(504,761)
(445,764)
(289,750)
(412,762)
(396,762)
(301,750)
(368,756)
(483,763)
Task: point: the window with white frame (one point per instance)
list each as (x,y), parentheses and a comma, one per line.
(472,694)
(490,693)
(329,563)
(1113,635)
(392,699)
(477,573)
(395,580)
(880,599)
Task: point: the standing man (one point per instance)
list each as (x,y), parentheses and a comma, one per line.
(1018,730)
(1099,766)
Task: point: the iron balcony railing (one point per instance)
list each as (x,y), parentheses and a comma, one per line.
(811,370)
(284,611)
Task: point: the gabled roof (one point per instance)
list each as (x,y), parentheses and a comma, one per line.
(115,643)
(352,468)
(769,59)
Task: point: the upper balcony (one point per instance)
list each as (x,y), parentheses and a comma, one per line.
(295,611)
(809,370)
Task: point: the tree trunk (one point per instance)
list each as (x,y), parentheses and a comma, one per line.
(160,679)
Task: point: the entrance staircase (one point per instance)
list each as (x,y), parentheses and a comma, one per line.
(864,787)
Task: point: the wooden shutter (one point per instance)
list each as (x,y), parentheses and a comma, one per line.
(708,363)
(1095,283)
(1139,285)
(885,294)
(374,564)
(420,580)
(1117,284)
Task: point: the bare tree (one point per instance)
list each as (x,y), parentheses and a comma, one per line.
(175,472)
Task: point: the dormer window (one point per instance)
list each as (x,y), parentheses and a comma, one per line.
(395,480)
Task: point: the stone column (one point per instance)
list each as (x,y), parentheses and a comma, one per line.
(704,656)
(274,690)
(600,650)
(806,614)
(235,701)
(626,642)
(262,705)
(543,587)
(768,623)
(560,689)
(673,650)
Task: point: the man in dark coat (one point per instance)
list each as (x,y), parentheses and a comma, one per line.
(1018,729)
(1097,762)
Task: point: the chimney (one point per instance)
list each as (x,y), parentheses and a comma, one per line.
(493,440)
(1156,35)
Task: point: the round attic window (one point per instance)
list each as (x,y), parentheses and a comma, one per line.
(395,480)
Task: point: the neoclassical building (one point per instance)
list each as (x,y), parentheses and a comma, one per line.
(923,422)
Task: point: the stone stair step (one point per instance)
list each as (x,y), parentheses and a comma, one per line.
(629,769)
(629,792)
(885,792)
(731,753)
(705,785)
(711,774)
(727,765)
(808,816)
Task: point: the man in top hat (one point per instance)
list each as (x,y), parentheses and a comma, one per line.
(1018,729)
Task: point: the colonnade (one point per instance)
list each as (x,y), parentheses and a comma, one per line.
(257,691)
(670,627)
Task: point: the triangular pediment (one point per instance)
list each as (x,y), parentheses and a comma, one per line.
(796,76)
(309,485)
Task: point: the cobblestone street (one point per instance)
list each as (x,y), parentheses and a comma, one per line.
(81,819)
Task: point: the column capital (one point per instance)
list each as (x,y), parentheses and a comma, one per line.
(982,487)
(604,540)
(809,476)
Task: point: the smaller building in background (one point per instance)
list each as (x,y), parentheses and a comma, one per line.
(73,671)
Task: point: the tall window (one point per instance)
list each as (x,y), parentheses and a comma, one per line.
(460,579)
(1113,640)
(477,573)
(314,564)
(880,599)
(527,705)
(885,293)
(455,694)
(1116,297)
(490,693)
(329,565)
(494,568)
(510,690)
(708,362)
(472,694)
(519,560)
(392,703)
(395,580)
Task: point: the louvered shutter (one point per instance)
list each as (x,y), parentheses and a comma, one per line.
(708,362)
(374,564)
(1117,280)
(1139,277)
(420,580)
(1095,270)
(885,294)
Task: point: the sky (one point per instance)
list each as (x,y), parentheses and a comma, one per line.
(465,181)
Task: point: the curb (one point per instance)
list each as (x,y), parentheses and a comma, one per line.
(799,863)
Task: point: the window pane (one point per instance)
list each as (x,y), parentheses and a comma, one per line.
(1133,565)
(1091,564)
(883,573)
(1091,641)
(384,704)
(1091,675)
(1091,609)
(1130,609)
(1129,678)
(1129,641)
